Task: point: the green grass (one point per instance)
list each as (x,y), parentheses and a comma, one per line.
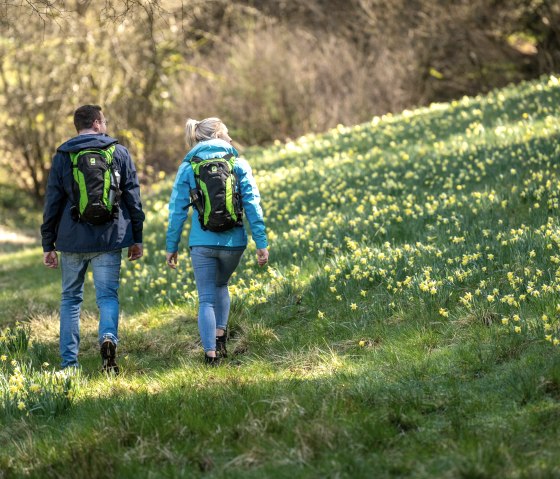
(407,326)
(19,209)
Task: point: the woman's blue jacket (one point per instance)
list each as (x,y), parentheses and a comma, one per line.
(180,198)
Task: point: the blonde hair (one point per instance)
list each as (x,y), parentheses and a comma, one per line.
(203,130)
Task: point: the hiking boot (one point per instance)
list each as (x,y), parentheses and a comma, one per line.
(210,361)
(221,350)
(109,355)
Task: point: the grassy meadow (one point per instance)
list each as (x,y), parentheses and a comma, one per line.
(408,324)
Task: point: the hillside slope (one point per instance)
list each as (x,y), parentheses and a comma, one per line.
(407,324)
(423,207)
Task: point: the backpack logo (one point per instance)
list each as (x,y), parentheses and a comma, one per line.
(216,197)
(96,186)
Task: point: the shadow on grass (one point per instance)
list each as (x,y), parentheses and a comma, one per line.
(253,421)
(19,210)
(7,247)
(204,423)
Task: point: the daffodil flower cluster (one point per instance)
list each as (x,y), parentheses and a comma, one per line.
(449,210)
(25,390)
(15,340)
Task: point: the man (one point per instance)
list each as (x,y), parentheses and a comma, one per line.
(82,243)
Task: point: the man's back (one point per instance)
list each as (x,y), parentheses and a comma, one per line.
(60,230)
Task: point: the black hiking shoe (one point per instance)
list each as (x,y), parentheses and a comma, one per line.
(221,350)
(210,361)
(109,355)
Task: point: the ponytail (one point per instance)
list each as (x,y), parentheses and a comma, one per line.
(207,129)
(190,133)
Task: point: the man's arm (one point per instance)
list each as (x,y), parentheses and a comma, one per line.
(55,200)
(130,188)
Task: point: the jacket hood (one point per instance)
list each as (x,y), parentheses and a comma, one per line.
(207,149)
(81,142)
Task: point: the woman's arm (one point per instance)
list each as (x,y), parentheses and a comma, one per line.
(251,203)
(178,207)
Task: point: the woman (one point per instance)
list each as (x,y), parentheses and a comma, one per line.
(215,255)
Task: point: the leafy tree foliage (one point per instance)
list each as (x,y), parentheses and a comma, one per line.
(270,69)
(81,55)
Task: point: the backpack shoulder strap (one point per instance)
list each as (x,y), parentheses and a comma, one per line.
(110,152)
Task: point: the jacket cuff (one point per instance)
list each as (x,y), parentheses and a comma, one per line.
(48,248)
(261,244)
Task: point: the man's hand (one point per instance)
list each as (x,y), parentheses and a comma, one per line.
(135,251)
(50,259)
(171,260)
(262,256)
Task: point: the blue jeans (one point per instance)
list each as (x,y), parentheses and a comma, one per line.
(212,270)
(106,272)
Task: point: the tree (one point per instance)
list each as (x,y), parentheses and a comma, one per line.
(80,56)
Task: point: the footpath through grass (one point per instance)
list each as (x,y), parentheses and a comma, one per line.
(407,326)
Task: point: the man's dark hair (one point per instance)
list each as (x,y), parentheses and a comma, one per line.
(85,116)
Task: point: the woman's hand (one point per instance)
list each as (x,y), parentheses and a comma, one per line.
(262,256)
(171,259)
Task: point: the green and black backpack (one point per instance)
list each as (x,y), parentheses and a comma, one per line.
(216,196)
(96,186)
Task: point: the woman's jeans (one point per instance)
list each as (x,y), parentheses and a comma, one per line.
(106,272)
(212,270)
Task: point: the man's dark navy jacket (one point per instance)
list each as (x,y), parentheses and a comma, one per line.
(59,231)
